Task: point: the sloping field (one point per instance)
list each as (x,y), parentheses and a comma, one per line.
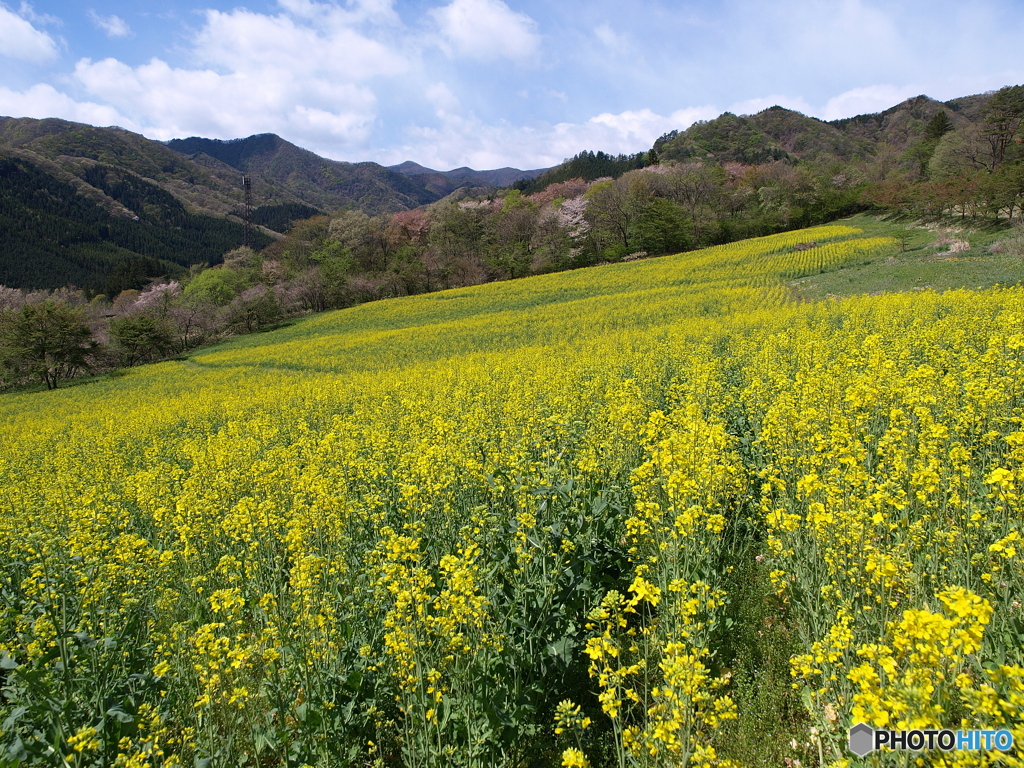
(645,514)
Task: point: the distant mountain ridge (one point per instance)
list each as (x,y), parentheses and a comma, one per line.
(499,177)
(311,179)
(332,184)
(68,191)
(775,134)
(778,133)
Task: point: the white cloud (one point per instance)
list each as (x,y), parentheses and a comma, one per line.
(43,100)
(20,40)
(753,106)
(487,30)
(170,102)
(609,37)
(113,26)
(444,101)
(26,11)
(637,130)
(861,101)
(317,123)
(254,42)
(376,11)
(256,73)
(469,141)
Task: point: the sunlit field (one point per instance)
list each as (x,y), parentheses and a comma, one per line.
(643,514)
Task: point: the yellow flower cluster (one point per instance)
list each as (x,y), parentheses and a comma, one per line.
(683,492)
(378,534)
(899,684)
(888,452)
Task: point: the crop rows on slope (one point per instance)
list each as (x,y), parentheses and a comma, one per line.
(495,526)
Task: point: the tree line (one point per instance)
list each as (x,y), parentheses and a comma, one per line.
(49,337)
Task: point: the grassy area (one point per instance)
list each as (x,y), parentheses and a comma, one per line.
(924,258)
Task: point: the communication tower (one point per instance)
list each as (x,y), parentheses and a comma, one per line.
(247,189)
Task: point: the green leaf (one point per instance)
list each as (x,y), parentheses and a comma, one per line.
(120,715)
(13,718)
(562,649)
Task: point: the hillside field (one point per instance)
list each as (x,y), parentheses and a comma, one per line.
(667,512)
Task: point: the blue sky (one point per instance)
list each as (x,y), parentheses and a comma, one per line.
(487,83)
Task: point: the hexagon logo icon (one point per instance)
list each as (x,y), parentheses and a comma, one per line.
(862,739)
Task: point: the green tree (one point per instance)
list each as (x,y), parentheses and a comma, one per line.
(254,308)
(1002,191)
(921,151)
(455,235)
(219,285)
(351,231)
(938,126)
(1004,115)
(508,234)
(141,338)
(612,209)
(661,227)
(960,152)
(698,187)
(49,341)
(333,263)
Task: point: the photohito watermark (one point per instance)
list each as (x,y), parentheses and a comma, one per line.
(865,739)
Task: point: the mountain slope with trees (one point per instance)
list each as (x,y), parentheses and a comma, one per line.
(402,230)
(106,209)
(73,147)
(446,182)
(52,236)
(317,181)
(718,181)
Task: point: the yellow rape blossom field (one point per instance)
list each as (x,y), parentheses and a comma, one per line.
(518,524)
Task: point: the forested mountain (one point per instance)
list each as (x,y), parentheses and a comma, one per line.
(212,188)
(51,235)
(782,134)
(309,178)
(445,182)
(718,181)
(777,134)
(739,175)
(106,209)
